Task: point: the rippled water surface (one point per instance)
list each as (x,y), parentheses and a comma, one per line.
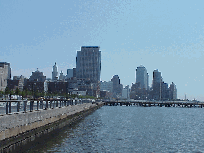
(130,129)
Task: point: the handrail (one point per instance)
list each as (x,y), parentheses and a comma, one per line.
(31,105)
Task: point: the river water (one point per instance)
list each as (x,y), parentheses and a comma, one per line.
(130,129)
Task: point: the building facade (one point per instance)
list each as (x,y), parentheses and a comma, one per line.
(5,74)
(126,92)
(71,73)
(37,76)
(88,63)
(157,85)
(88,66)
(106,86)
(117,87)
(58,87)
(17,82)
(61,76)
(142,77)
(172,91)
(54,73)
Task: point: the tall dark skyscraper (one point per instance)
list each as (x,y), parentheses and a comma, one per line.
(88,63)
(157,82)
(142,77)
(88,68)
(117,87)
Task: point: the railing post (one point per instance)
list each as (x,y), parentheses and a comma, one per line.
(50,103)
(37,105)
(56,103)
(46,107)
(25,105)
(10,107)
(31,106)
(6,107)
(18,106)
(41,104)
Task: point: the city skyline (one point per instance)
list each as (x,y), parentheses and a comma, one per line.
(159,35)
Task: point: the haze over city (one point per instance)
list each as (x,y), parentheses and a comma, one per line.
(163,35)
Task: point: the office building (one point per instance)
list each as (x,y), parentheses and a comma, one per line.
(172,91)
(88,63)
(106,86)
(62,76)
(126,92)
(5,74)
(88,66)
(54,73)
(57,87)
(17,82)
(37,76)
(71,73)
(157,85)
(117,87)
(142,77)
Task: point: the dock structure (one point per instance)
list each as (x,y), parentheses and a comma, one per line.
(148,103)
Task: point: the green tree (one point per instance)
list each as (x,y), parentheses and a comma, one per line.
(7,91)
(17,91)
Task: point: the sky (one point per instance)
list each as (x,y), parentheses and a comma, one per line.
(158,34)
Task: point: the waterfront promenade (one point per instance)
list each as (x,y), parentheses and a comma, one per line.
(39,117)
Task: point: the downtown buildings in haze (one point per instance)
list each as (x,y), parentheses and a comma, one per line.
(159,90)
(85,78)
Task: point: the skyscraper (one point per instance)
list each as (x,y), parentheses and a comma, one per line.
(88,66)
(117,87)
(5,74)
(88,63)
(173,91)
(157,83)
(142,77)
(54,72)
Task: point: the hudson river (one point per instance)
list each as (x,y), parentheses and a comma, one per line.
(130,129)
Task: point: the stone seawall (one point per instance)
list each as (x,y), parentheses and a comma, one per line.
(18,129)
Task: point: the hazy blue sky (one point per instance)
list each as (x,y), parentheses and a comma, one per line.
(159,34)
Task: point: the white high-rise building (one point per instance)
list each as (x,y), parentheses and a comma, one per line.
(142,77)
(61,77)
(54,72)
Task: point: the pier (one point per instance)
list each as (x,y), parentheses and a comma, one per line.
(147,103)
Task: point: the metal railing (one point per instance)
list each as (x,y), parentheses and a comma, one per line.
(15,106)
